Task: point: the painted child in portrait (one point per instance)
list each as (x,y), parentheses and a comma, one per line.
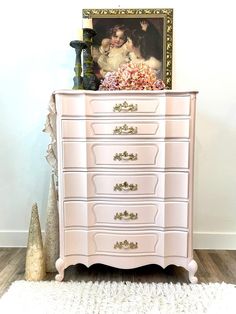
(112,51)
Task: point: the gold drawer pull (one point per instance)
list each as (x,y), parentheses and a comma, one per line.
(125,187)
(126,216)
(125,107)
(125,130)
(126,245)
(125,156)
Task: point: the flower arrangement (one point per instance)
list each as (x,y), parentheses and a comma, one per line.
(132,76)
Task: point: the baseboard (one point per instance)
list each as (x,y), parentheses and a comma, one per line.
(201,240)
(214,240)
(18,238)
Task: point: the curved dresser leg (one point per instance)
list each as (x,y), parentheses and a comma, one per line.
(60,268)
(192,268)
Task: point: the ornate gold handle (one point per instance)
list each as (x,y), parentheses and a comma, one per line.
(125,107)
(126,216)
(125,187)
(126,245)
(125,156)
(125,130)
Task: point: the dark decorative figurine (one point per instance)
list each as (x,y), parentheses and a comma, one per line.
(90,81)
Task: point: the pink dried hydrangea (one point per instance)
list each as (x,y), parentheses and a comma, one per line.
(132,76)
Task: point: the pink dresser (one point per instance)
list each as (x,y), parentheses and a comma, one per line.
(125,169)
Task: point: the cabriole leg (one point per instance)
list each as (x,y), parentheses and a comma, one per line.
(60,268)
(192,268)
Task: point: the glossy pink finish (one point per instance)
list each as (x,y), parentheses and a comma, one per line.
(79,129)
(104,213)
(129,227)
(99,104)
(163,185)
(168,243)
(161,155)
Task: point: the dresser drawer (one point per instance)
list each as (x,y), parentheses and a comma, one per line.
(124,105)
(117,129)
(125,154)
(169,243)
(128,185)
(126,214)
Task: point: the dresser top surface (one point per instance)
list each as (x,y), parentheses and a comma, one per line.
(123,92)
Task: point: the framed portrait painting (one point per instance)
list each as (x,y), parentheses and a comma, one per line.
(126,35)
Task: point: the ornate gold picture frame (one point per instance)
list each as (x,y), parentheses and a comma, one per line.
(157,23)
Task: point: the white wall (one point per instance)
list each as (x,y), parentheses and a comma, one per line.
(35,59)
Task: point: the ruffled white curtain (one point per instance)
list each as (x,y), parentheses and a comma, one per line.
(50,128)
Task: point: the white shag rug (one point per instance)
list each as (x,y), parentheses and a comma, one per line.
(49,297)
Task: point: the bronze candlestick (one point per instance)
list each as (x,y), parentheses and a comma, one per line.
(78,46)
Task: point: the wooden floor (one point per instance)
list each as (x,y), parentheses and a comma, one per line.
(213,266)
